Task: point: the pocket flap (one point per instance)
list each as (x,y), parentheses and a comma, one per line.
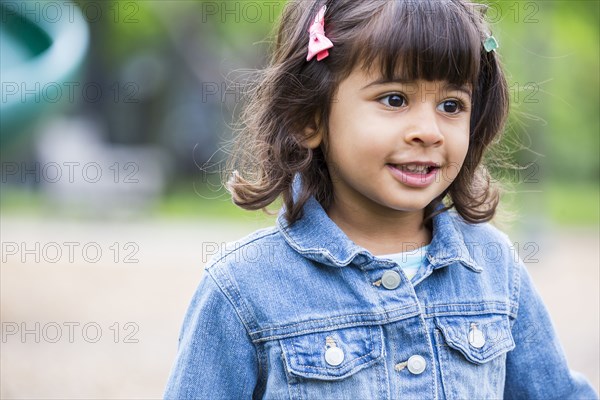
(480,338)
(335,354)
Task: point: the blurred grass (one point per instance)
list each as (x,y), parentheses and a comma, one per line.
(564,203)
(206,201)
(574,204)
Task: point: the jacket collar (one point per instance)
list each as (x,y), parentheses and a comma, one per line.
(318,238)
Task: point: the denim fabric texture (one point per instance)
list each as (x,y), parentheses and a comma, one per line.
(299,312)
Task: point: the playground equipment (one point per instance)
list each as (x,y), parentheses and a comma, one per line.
(42,48)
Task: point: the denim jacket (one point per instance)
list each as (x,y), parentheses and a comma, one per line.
(302,312)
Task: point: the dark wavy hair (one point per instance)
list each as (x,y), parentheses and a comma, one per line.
(432,40)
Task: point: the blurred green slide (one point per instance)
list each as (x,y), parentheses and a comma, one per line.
(42,48)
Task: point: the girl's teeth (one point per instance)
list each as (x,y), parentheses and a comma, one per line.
(420,169)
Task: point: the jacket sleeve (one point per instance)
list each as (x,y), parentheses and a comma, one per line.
(537,367)
(215,357)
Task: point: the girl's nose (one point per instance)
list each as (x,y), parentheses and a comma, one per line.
(425,130)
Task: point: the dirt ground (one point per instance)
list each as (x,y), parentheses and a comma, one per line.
(93,310)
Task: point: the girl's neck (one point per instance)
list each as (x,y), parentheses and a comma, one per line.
(381,233)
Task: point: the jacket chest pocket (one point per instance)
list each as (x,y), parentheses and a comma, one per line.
(472,354)
(342,364)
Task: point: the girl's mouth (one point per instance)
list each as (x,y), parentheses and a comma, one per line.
(417,175)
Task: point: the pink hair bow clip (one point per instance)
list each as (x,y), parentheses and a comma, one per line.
(318,42)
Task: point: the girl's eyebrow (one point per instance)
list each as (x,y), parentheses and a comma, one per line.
(446,87)
(383,81)
(466,89)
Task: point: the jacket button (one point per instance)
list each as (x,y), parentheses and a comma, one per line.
(390,280)
(476,338)
(416,364)
(334,356)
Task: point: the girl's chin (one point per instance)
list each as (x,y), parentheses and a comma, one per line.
(406,207)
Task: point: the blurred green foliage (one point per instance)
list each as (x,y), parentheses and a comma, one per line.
(550,51)
(239,25)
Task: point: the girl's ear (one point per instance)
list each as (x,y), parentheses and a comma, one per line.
(313,135)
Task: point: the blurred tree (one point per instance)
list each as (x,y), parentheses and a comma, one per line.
(550,50)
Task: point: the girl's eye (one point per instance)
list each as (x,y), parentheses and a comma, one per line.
(451,106)
(393,100)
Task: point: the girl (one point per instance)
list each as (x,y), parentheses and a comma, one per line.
(371,123)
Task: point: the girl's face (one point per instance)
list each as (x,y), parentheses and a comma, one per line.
(395,146)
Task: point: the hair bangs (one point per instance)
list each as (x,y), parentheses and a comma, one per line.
(428,39)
